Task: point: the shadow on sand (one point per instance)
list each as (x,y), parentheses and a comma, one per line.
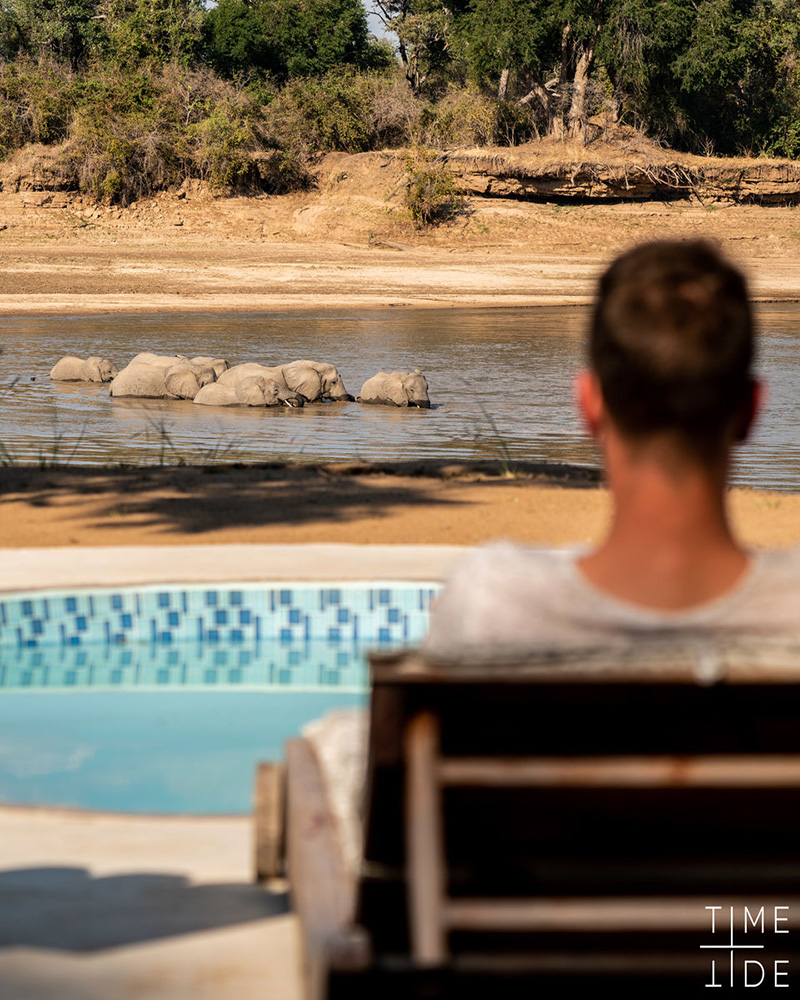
(69,910)
(198,499)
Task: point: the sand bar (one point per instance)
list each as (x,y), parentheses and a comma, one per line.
(302,505)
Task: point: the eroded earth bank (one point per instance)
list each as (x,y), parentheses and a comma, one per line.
(536,226)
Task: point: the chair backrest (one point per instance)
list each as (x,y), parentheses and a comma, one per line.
(533,809)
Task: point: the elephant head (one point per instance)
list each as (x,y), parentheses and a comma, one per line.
(315,380)
(259,390)
(287,397)
(101,369)
(184,380)
(397,389)
(332,385)
(415,387)
(219,365)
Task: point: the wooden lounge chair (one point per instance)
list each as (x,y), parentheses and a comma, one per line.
(563,821)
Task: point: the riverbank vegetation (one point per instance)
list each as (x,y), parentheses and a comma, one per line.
(139,95)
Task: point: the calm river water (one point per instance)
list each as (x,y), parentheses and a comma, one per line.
(499,380)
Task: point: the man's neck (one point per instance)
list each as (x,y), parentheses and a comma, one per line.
(670,546)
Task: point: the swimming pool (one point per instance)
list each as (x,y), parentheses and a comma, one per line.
(161,699)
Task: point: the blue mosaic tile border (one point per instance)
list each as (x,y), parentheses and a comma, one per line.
(243,616)
(315,665)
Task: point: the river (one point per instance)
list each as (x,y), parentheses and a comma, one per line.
(500,383)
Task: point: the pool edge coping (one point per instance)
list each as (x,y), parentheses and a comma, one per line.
(38,569)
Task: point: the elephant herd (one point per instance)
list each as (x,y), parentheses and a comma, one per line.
(213,382)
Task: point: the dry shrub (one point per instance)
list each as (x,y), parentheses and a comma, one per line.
(432,194)
(345,111)
(137,133)
(281,171)
(36,101)
(467,117)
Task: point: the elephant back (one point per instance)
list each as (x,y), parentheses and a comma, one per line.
(143,380)
(250,369)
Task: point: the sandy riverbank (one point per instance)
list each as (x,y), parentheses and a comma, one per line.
(344,245)
(284,505)
(341,245)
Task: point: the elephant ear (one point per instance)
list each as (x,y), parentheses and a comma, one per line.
(251,391)
(204,374)
(182,382)
(304,380)
(93,369)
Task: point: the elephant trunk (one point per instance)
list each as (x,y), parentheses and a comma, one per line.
(289,398)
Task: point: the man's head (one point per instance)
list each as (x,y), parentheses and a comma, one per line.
(671,346)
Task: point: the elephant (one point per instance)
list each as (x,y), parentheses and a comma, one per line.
(255,390)
(396,389)
(168,360)
(158,360)
(154,376)
(94,369)
(219,365)
(314,380)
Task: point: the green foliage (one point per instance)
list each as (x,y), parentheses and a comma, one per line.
(136,133)
(36,102)
(236,42)
(354,112)
(155,31)
(493,35)
(432,195)
(423,30)
(290,38)
(141,91)
(340,111)
(221,141)
(468,117)
(696,73)
(65,30)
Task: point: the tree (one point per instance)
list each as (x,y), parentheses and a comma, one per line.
(155,30)
(236,41)
(547,46)
(422,30)
(65,30)
(290,38)
(696,72)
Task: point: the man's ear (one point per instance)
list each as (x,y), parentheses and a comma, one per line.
(589,400)
(752,407)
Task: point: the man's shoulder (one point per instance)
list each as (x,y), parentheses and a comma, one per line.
(780,560)
(777,571)
(504,555)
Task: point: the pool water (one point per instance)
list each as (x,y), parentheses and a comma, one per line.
(162,700)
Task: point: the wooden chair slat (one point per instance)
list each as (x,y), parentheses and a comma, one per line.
(426,861)
(593,915)
(729,771)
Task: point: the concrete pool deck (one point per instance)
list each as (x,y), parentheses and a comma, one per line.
(62,568)
(97,906)
(109,907)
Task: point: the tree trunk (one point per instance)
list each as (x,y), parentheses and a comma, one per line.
(554,124)
(502,87)
(576,119)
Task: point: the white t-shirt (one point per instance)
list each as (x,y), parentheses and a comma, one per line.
(507,597)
